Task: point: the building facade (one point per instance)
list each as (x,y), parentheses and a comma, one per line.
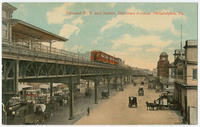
(186,82)
(7,11)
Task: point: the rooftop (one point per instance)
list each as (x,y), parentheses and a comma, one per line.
(24,31)
(163,54)
(191,43)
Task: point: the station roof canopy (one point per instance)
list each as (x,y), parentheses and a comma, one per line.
(25,31)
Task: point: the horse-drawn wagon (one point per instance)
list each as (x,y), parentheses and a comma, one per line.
(104,94)
(132,101)
(163,102)
(141,91)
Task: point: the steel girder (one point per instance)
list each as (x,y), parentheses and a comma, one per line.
(40,70)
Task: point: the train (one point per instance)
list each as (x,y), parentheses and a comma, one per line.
(102,57)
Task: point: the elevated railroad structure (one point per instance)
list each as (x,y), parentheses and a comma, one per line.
(25,58)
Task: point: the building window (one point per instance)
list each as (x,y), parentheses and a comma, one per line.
(180,74)
(4,29)
(194,73)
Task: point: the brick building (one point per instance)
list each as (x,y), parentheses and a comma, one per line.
(162,66)
(163,71)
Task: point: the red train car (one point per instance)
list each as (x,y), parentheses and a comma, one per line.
(102,57)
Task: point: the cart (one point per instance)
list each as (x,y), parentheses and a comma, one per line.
(141,91)
(104,94)
(132,102)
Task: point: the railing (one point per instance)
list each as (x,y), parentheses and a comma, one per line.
(43,51)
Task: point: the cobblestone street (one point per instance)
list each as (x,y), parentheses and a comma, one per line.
(116,111)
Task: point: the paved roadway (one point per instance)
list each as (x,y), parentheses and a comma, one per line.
(112,111)
(115,111)
(81,104)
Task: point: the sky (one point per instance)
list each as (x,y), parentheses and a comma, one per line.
(136,32)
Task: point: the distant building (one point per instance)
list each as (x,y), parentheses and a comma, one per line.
(163,65)
(186,82)
(179,53)
(163,71)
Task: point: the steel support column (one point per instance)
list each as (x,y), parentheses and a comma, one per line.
(125,80)
(51,91)
(88,83)
(122,83)
(16,76)
(71,103)
(104,79)
(96,91)
(115,82)
(109,79)
(131,81)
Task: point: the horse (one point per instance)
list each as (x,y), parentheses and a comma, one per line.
(148,105)
(151,105)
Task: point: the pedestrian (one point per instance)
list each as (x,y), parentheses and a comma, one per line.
(88,111)
(13,115)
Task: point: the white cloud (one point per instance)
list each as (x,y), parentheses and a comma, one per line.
(154,49)
(134,49)
(137,54)
(112,5)
(76,48)
(140,41)
(58,45)
(96,41)
(77,21)
(150,22)
(67,30)
(58,14)
(127,39)
(139,60)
